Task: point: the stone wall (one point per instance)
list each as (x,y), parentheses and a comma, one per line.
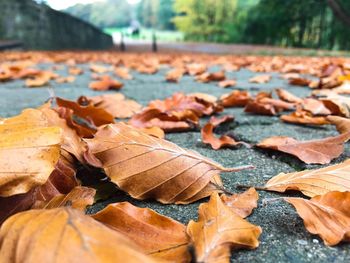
(39,27)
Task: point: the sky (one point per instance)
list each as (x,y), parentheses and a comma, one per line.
(62,4)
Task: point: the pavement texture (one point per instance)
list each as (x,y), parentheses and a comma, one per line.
(284,237)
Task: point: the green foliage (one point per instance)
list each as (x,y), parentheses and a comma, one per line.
(111,13)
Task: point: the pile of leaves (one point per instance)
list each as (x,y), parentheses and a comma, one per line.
(57,159)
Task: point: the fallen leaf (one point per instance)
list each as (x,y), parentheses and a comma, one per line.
(68,79)
(319,151)
(242,204)
(227,83)
(304,117)
(342,124)
(63,235)
(123,73)
(316,107)
(208,77)
(256,107)
(154,131)
(174,75)
(157,235)
(78,198)
(147,167)
(299,81)
(75,71)
(287,96)
(208,136)
(313,182)
(337,105)
(98,68)
(219,230)
(116,104)
(106,83)
(196,68)
(236,98)
(260,79)
(326,215)
(29,151)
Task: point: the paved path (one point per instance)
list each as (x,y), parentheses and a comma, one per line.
(284,238)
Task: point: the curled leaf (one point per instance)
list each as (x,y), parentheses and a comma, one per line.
(157,235)
(326,215)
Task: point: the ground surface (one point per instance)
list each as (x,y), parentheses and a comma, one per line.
(284,238)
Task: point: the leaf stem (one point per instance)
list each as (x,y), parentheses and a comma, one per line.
(239,168)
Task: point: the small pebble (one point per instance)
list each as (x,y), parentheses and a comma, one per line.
(315,241)
(302,242)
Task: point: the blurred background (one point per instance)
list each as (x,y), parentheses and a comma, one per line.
(97,24)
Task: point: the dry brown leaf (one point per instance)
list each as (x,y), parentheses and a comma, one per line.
(71,143)
(208,136)
(91,114)
(299,81)
(319,151)
(196,68)
(260,79)
(148,167)
(123,73)
(29,151)
(157,235)
(154,131)
(98,69)
(342,124)
(63,235)
(256,107)
(337,104)
(78,198)
(68,79)
(106,83)
(227,83)
(304,117)
(75,71)
(313,182)
(242,204)
(174,75)
(219,230)
(116,104)
(236,98)
(208,77)
(326,215)
(287,96)
(316,107)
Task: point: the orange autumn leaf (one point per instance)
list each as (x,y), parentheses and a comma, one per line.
(208,137)
(123,73)
(219,230)
(342,124)
(106,83)
(314,106)
(68,79)
(313,182)
(98,69)
(242,204)
(326,215)
(299,81)
(304,117)
(195,69)
(319,151)
(29,151)
(75,71)
(147,167)
(174,75)
(236,98)
(157,235)
(337,105)
(256,107)
(154,131)
(68,236)
(96,116)
(227,83)
(116,104)
(208,77)
(287,96)
(78,198)
(260,79)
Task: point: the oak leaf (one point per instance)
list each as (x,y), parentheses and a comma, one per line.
(326,215)
(157,235)
(319,151)
(219,230)
(63,235)
(148,167)
(313,182)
